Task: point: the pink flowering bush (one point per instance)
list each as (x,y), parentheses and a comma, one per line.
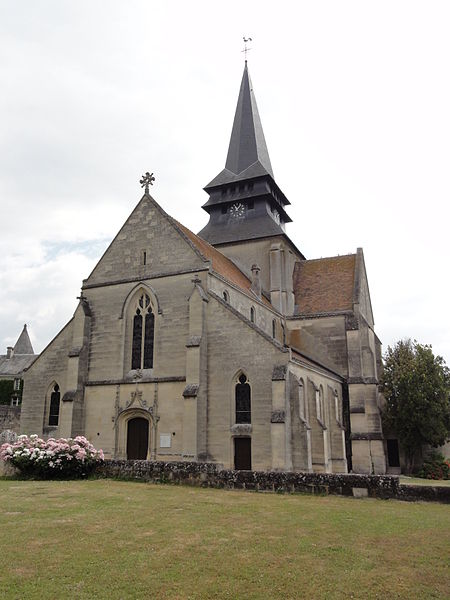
(50,459)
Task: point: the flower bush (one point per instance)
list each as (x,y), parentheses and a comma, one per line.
(50,459)
(435,466)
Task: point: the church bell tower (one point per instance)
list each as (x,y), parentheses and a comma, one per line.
(245,203)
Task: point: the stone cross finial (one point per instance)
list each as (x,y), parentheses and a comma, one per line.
(147,180)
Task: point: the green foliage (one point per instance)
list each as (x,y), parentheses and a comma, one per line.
(50,459)
(435,466)
(416,385)
(6,391)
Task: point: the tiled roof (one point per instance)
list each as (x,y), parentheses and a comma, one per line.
(325,284)
(220,263)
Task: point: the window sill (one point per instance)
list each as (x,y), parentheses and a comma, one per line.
(241,429)
(139,374)
(50,428)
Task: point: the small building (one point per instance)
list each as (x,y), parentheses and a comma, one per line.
(12,367)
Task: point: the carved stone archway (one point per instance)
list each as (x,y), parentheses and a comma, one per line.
(136,408)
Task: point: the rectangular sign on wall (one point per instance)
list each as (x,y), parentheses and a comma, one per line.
(165,440)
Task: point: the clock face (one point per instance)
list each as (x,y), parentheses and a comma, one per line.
(237,209)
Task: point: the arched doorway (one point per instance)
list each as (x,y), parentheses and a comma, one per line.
(137,439)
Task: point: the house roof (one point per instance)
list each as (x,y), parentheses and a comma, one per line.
(23,344)
(325,284)
(22,356)
(13,367)
(220,263)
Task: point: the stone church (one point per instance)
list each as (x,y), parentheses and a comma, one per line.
(226,346)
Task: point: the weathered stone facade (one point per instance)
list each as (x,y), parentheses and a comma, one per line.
(238,352)
(10,419)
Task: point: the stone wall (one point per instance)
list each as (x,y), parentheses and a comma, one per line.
(213,475)
(10,418)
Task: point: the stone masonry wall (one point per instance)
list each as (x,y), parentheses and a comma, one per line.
(214,476)
(10,418)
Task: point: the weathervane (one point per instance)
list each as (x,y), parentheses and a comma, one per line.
(245,50)
(147,180)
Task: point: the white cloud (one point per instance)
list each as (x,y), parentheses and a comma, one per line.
(354,102)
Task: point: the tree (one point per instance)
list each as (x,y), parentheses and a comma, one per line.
(416,386)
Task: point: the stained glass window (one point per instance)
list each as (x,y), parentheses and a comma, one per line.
(55,396)
(243,403)
(143,335)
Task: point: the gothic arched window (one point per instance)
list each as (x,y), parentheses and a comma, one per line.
(252,314)
(143,334)
(301,400)
(319,404)
(243,402)
(53,415)
(337,407)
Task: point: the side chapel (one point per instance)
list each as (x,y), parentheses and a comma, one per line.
(226,346)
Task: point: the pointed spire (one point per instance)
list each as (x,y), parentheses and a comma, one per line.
(245,201)
(247,143)
(247,153)
(23,344)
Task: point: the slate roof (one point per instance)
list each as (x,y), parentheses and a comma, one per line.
(13,367)
(239,231)
(247,143)
(220,263)
(23,344)
(325,284)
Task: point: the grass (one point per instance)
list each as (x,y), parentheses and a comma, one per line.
(125,540)
(405,480)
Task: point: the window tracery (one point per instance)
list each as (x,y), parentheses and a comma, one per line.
(55,397)
(243,400)
(143,334)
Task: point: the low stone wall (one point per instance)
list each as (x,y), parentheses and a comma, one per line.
(9,418)
(214,476)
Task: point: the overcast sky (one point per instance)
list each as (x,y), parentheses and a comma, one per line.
(354,100)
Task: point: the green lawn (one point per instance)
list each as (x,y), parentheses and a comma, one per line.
(404,480)
(112,539)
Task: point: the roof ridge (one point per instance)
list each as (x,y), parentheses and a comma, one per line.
(210,247)
(221,264)
(308,260)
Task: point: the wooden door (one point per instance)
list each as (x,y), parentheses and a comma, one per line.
(137,439)
(243,454)
(393,453)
